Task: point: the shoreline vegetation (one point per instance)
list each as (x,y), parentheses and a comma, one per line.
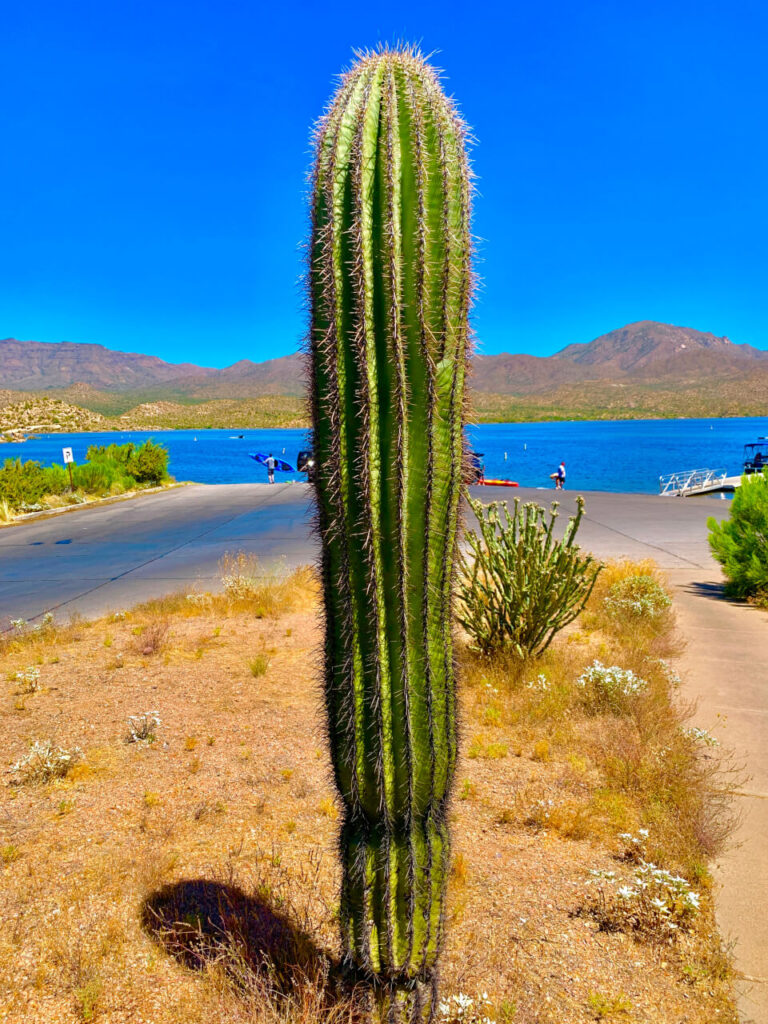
(172,861)
(109,471)
(98,412)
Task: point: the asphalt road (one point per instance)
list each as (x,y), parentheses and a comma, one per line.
(100,559)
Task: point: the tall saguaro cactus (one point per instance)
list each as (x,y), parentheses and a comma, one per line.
(390,285)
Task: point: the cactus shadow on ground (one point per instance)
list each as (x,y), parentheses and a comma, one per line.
(208,924)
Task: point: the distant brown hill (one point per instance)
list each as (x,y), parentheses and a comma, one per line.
(646,353)
(648,348)
(39,366)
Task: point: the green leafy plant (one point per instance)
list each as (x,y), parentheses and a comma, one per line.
(390,285)
(108,469)
(602,1006)
(518,585)
(21,483)
(740,543)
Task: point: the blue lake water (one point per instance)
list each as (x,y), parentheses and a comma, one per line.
(605,455)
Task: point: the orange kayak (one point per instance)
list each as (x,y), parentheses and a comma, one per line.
(498,483)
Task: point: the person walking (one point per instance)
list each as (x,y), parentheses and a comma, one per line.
(271,463)
(560,477)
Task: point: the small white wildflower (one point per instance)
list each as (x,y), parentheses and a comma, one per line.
(29,679)
(143,728)
(610,686)
(637,597)
(701,736)
(44,762)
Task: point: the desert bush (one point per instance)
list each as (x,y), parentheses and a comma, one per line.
(609,688)
(640,596)
(520,586)
(44,762)
(152,638)
(258,665)
(740,543)
(108,469)
(56,479)
(656,904)
(266,590)
(21,483)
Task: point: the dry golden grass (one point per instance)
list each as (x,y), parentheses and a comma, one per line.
(194,879)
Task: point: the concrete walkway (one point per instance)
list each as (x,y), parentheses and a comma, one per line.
(725,666)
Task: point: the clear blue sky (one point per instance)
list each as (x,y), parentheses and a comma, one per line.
(152,176)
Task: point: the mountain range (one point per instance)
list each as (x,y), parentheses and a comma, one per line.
(643,370)
(643,352)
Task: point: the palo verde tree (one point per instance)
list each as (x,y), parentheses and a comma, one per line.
(390,285)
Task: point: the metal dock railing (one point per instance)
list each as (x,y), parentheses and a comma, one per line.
(697,481)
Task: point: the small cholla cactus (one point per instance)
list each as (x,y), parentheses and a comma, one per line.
(389,288)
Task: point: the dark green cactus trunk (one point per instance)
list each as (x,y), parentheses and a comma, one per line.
(390,286)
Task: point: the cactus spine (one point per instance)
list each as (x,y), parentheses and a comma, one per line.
(390,285)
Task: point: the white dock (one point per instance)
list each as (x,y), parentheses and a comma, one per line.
(696,482)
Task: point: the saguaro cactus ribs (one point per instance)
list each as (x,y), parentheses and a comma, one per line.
(390,285)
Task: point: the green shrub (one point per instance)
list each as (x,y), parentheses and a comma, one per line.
(108,469)
(520,586)
(95,477)
(740,543)
(56,479)
(21,483)
(147,464)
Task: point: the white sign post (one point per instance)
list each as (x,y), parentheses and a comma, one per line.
(68,460)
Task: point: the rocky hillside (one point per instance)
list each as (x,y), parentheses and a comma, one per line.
(40,366)
(34,414)
(114,382)
(645,369)
(652,349)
